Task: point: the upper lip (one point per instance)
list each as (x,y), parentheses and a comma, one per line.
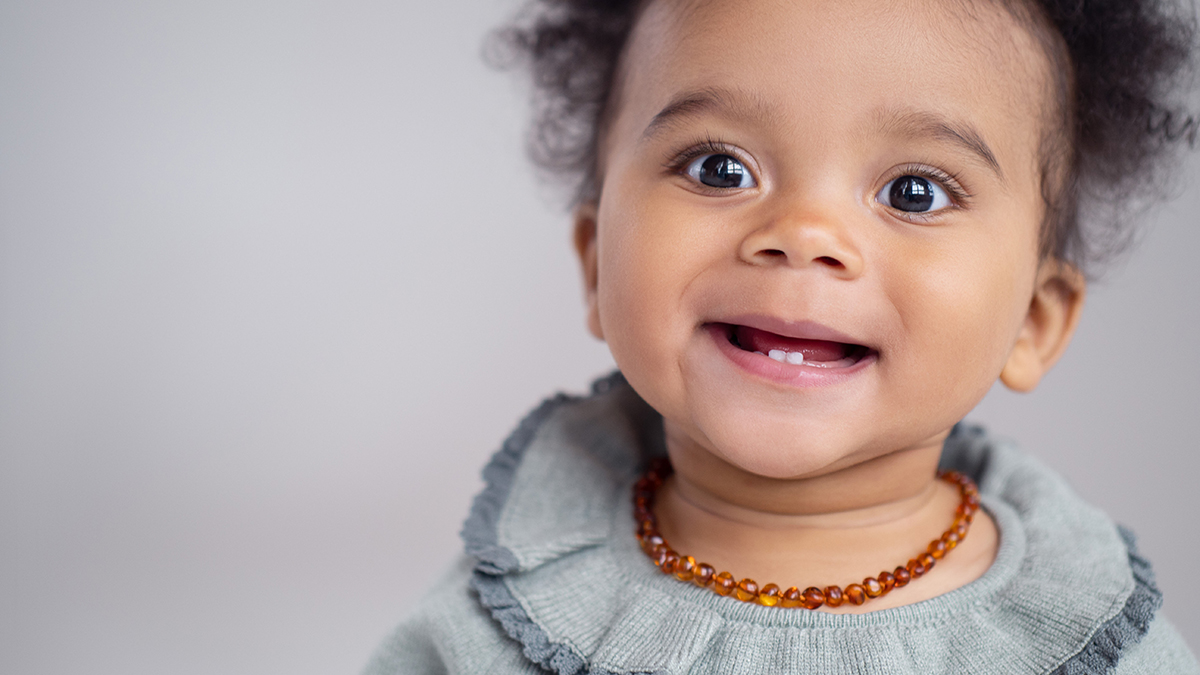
(800,330)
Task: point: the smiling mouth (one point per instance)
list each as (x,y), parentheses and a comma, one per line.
(795,351)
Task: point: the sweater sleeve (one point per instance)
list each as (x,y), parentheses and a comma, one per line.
(449,633)
(1161,651)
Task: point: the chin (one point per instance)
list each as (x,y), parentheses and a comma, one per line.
(783,449)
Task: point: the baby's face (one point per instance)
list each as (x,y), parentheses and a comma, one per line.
(855,182)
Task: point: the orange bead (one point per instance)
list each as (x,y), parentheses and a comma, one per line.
(668,562)
(704,575)
(902,576)
(649,542)
(887,580)
(769,595)
(746,590)
(723,583)
(961,530)
(937,549)
(813,597)
(950,539)
(872,587)
(659,554)
(927,560)
(856,594)
(915,568)
(834,596)
(685,568)
(791,597)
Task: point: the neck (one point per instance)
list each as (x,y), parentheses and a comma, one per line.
(836,527)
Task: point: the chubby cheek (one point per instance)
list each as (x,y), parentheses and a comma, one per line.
(647,255)
(962,312)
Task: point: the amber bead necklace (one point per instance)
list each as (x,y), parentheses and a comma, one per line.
(685,567)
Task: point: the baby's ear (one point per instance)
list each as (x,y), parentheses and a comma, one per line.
(1053,315)
(585,248)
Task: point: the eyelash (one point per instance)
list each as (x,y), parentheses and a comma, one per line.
(949,182)
(705,146)
(708,145)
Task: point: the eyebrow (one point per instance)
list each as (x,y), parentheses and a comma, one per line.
(921,123)
(711,100)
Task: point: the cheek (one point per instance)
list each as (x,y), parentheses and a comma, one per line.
(639,271)
(962,307)
(651,250)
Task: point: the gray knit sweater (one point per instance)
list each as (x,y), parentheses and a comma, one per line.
(553,580)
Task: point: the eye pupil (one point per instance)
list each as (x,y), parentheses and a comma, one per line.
(722,171)
(912,193)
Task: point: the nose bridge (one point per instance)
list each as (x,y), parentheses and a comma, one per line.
(801,231)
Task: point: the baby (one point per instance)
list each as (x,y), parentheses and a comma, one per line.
(813,235)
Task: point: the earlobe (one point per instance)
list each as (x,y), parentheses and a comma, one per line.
(1053,314)
(586,249)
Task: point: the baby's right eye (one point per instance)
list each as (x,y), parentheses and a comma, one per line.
(719,171)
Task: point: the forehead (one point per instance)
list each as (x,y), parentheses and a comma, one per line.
(820,67)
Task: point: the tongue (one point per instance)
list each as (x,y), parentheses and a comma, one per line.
(755,340)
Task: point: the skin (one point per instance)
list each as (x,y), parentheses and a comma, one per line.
(824,104)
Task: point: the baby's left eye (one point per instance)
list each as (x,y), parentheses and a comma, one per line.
(914,194)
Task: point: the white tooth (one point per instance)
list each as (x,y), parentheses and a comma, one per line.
(777,354)
(795,358)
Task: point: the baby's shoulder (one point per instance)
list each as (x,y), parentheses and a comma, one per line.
(449,632)
(1161,650)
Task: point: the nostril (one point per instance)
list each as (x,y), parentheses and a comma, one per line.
(832,262)
(774,253)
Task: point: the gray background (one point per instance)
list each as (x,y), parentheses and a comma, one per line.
(276,279)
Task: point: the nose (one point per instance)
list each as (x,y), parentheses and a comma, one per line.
(801,240)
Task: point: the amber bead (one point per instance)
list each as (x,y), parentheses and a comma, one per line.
(887,580)
(703,575)
(746,590)
(668,562)
(915,568)
(834,596)
(951,539)
(791,597)
(902,576)
(856,594)
(659,553)
(649,542)
(937,548)
(769,595)
(872,587)
(961,530)
(927,560)
(813,597)
(723,583)
(685,568)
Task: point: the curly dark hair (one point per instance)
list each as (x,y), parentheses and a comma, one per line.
(1120,68)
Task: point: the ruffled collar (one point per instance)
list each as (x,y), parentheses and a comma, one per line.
(559,569)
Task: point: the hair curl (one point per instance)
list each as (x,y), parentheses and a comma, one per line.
(1120,65)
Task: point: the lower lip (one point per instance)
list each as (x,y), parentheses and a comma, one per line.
(794,375)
